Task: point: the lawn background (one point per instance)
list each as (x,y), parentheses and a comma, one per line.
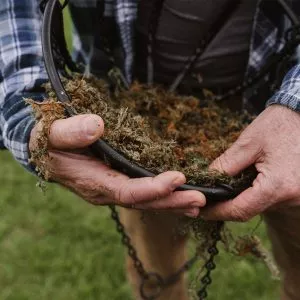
(54,246)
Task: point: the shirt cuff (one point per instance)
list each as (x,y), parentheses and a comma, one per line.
(289,93)
(19,122)
(287,99)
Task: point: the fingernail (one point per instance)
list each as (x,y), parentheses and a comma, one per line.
(193,213)
(178,181)
(90,126)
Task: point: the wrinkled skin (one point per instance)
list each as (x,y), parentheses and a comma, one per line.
(97,183)
(272,143)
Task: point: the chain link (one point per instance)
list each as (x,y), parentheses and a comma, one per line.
(127,242)
(210,264)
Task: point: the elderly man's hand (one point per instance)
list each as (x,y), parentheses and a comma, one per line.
(97,183)
(272,144)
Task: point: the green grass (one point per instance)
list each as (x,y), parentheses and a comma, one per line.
(56,246)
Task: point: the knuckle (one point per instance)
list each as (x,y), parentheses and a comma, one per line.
(88,193)
(124,195)
(249,143)
(160,190)
(119,195)
(240,215)
(223,161)
(86,189)
(244,141)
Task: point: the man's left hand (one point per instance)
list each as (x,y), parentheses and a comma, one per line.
(272,143)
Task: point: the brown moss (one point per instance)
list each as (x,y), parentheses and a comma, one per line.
(46,113)
(154,128)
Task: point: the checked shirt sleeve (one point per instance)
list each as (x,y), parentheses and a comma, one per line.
(21,74)
(289,93)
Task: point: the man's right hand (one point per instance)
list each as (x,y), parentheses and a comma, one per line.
(97,183)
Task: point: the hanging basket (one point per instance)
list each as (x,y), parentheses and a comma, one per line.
(57,58)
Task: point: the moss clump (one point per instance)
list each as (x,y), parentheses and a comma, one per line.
(46,112)
(156,129)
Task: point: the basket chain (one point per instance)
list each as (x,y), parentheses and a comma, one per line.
(159,282)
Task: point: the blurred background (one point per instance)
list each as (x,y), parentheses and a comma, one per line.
(54,245)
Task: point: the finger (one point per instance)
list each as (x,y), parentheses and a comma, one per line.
(177,200)
(91,178)
(188,212)
(243,153)
(75,132)
(191,213)
(247,205)
(135,191)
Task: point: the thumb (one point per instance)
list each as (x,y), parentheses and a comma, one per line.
(75,132)
(243,153)
(245,206)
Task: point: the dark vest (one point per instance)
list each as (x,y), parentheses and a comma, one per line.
(180,27)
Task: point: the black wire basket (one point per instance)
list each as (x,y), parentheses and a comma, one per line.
(57,58)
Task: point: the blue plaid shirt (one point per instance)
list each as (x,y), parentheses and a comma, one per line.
(22,69)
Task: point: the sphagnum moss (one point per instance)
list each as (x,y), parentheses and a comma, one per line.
(156,129)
